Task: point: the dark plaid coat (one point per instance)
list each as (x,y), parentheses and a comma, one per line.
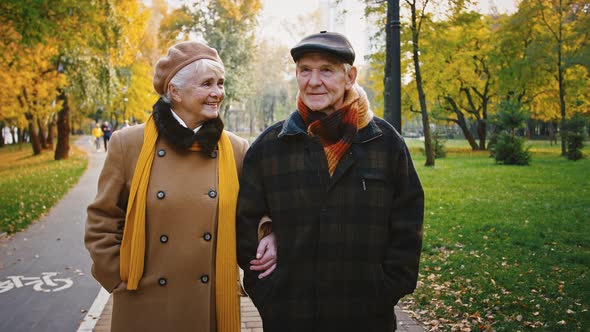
(348,246)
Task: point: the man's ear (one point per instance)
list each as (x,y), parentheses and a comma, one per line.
(351,77)
(174,93)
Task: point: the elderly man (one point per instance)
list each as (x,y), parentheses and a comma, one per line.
(345,203)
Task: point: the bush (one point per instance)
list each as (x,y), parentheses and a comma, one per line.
(510,150)
(439,145)
(574,133)
(505,146)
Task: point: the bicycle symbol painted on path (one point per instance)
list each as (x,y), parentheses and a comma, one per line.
(46,283)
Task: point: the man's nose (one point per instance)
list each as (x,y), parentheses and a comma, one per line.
(315,78)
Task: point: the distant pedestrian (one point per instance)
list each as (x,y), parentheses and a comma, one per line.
(345,203)
(97,134)
(107,131)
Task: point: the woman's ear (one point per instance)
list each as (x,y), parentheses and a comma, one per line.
(174,93)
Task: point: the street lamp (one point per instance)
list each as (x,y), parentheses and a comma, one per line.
(392,80)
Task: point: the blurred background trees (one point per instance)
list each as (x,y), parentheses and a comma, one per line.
(65,64)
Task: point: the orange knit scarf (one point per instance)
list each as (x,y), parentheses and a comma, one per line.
(337,130)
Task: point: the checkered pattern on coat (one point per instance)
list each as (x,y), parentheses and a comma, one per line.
(348,246)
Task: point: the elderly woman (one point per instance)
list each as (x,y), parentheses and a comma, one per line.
(161,231)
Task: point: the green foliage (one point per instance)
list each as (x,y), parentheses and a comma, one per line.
(505,147)
(510,150)
(439,144)
(505,248)
(31,185)
(574,132)
(229,28)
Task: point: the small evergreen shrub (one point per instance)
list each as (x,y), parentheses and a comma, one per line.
(440,150)
(505,146)
(510,150)
(574,133)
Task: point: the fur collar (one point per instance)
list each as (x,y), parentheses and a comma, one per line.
(183,137)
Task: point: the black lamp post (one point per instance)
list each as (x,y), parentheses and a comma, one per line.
(392,79)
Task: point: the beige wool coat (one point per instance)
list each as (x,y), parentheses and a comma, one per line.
(177,290)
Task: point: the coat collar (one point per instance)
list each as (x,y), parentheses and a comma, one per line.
(294,125)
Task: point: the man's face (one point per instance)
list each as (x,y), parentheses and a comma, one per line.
(323,81)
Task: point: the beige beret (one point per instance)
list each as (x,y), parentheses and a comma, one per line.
(179,56)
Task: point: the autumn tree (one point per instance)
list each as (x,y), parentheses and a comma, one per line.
(562,37)
(461,76)
(31,80)
(227,26)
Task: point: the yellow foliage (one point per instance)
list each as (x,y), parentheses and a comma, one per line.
(239,8)
(28,79)
(141,94)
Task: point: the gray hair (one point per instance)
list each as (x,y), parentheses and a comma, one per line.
(182,77)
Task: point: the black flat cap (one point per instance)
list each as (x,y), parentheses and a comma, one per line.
(325,42)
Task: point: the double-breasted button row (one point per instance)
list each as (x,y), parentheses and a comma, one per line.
(204,279)
(207,237)
(212,193)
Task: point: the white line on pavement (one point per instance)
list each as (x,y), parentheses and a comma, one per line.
(93,314)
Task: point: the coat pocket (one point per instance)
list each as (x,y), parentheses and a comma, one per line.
(261,290)
(384,288)
(273,281)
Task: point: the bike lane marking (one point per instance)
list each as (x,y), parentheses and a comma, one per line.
(38,283)
(93,314)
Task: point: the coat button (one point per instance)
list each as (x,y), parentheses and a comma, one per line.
(162,281)
(161,194)
(212,193)
(213,155)
(207,236)
(204,278)
(164,238)
(161,152)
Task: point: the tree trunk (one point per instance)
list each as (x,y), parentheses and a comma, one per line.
(470,139)
(462,123)
(2,142)
(35,142)
(428,149)
(50,132)
(560,70)
(42,137)
(62,149)
(481,132)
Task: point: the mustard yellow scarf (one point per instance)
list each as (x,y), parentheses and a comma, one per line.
(133,244)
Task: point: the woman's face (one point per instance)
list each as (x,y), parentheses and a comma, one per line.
(201,96)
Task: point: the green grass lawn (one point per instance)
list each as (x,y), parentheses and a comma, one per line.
(31,185)
(506,248)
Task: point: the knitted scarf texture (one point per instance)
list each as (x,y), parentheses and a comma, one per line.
(337,130)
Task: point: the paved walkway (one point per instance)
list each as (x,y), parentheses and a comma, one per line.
(99,316)
(251,320)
